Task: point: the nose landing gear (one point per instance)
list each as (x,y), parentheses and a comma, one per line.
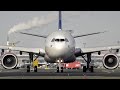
(60,66)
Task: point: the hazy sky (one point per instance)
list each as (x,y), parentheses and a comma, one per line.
(81,22)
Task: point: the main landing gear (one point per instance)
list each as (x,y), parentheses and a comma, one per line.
(28,68)
(88,66)
(60,66)
(31,63)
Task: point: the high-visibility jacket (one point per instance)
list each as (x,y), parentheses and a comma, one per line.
(35,63)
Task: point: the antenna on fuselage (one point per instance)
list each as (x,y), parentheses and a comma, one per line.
(60,21)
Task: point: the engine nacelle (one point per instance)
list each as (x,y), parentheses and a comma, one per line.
(9,60)
(110,61)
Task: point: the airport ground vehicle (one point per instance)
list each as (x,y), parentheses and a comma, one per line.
(72,65)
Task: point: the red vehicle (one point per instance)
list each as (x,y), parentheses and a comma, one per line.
(73,65)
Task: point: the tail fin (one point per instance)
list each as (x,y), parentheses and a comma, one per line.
(60,21)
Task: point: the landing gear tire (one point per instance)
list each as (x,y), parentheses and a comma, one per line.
(91,69)
(28,68)
(62,69)
(57,69)
(35,69)
(84,68)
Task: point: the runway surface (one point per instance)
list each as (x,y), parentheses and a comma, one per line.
(52,74)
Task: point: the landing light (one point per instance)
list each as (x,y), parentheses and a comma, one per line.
(57,60)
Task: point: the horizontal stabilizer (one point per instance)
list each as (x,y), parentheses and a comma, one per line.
(76,36)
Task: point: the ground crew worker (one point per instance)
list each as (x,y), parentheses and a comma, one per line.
(35,63)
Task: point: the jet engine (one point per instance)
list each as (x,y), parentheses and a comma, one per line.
(110,61)
(9,60)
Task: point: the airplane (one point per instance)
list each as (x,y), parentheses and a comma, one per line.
(60,48)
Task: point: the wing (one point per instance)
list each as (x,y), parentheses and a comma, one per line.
(81,51)
(39,51)
(43,36)
(76,36)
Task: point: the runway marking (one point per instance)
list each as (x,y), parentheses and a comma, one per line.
(106,71)
(22,73)
(85,76)
(113,71)
(10,71)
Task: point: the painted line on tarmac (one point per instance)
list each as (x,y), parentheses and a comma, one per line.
(106,71)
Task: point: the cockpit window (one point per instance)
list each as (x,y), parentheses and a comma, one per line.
(59,40)
(53,40)
(66,39)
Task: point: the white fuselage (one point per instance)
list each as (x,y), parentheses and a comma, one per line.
(60,45)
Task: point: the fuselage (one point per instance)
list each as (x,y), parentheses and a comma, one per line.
(60,45)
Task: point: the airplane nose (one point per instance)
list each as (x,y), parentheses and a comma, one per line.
(61,50)
(59,46)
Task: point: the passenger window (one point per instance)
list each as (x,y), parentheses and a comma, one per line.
(57,40)
(62,40)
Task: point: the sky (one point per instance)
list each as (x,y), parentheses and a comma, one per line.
(81,22)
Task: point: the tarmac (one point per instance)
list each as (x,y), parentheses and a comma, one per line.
(52,74)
